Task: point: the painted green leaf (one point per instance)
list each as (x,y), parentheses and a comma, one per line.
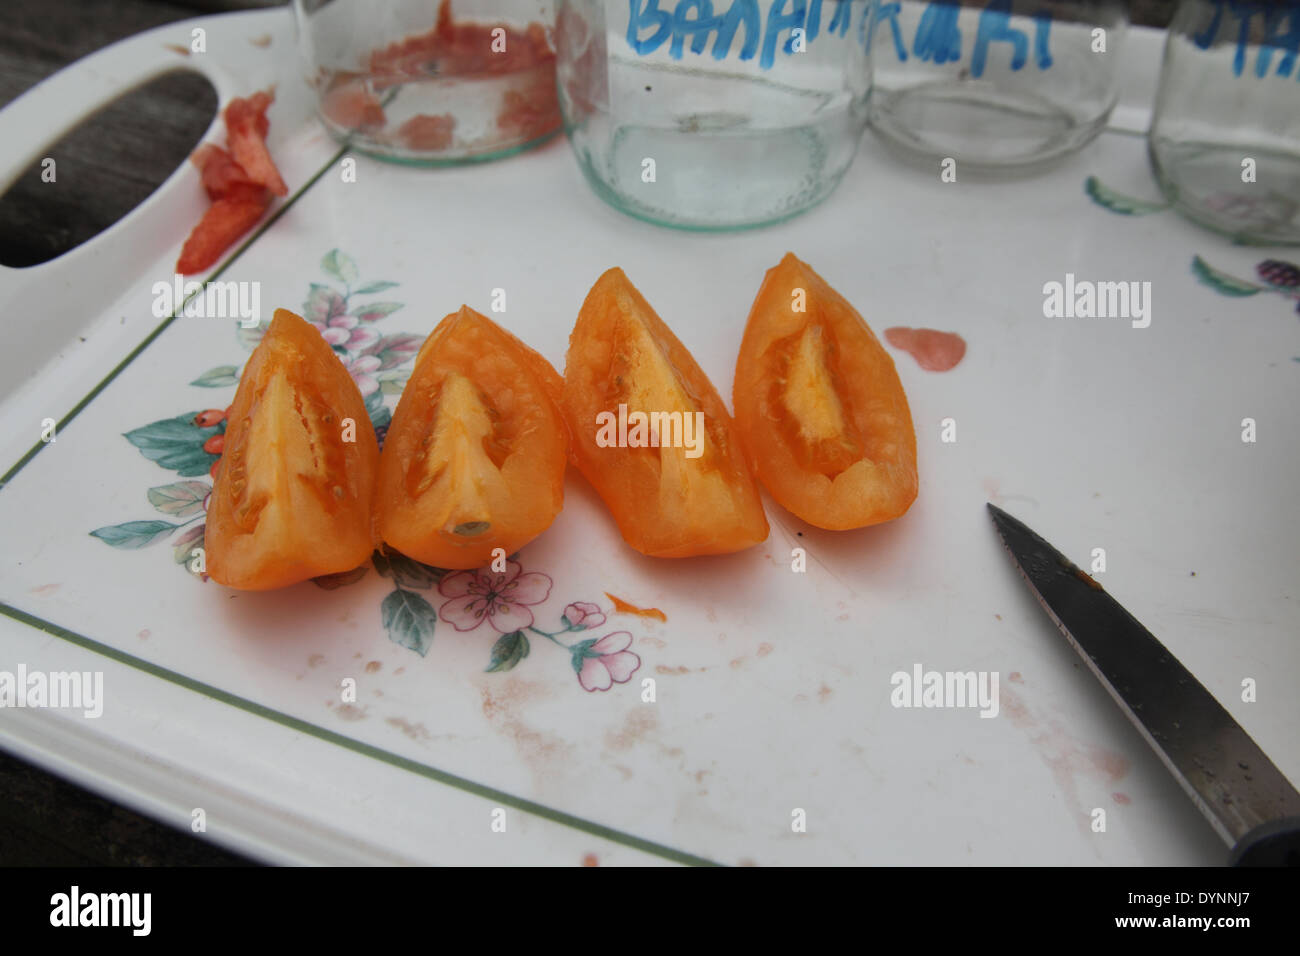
(372,287)
(1108,198)
(183,547)
(1221,282)
(219,377)
(378,411)
(508,651)
(332,582)
(580,652)
(373,311)
(323,303)
(340,266)
(175,444)
(134,534)
(409,620)
(248,338)
(180,499)
(406,571)
(392,386)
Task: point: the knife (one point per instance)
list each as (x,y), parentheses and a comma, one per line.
(1247,800)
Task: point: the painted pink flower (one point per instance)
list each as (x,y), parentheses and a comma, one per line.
(602,664)
(361,369)
(348,332)
(500,598)
(583,615)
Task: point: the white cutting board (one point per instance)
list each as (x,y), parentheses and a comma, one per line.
(772,688)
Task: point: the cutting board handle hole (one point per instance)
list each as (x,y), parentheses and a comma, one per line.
(100,171)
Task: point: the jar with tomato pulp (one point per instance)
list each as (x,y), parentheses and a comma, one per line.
(424,83)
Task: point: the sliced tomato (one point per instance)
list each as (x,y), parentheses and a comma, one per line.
(224,222)
(475,454)
(819,405)
(246,129)
(692,494)
(293,496)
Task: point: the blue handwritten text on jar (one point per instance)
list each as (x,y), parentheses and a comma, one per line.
(680,25)
(938,36)
(1274,16)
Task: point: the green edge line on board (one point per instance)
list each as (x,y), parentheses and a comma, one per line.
(356,746)
(162,327)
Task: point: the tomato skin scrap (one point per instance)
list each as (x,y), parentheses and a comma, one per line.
(475,455)
(667,501)
(221,226)
(246,129)
(292,499)
(820,407)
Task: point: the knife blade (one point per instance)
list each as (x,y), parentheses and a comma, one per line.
(1248,801)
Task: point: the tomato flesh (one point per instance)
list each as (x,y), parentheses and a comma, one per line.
(475,455)
(292,496)
(820,407)
(673,500)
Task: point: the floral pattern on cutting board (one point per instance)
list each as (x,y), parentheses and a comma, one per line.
(503,601)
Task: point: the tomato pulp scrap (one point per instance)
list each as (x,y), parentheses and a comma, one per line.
(820,407)
(240,183)
(475,455)
(293,494)
(670,497)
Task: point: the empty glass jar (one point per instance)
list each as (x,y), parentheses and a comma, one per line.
(995,83)
(713,115)
(1225,131)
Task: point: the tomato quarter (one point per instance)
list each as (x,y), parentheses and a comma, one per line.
(820,407)
(676,482)
(475,455)
(292,498)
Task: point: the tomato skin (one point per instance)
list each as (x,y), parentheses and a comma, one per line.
(475,455)
(820,407)
(292,499)
(246,129)
(666,503)
(223,223)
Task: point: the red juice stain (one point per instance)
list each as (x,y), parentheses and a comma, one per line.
(1123,799)
(934,351)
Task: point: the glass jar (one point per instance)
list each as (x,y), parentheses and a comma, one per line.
(713,115)
(995,84)
(413,81)
(1225,131)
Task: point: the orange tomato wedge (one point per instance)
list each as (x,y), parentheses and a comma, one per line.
(819,405)
(475,455)
(292,496)
(670,499)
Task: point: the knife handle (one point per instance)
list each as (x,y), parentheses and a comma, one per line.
(1276,843)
